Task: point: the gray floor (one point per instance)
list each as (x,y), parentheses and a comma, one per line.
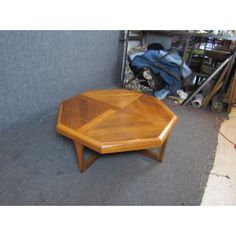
(38,167)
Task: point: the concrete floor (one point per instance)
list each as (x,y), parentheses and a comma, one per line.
(221,185)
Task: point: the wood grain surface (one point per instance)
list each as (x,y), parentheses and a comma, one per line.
(115,120)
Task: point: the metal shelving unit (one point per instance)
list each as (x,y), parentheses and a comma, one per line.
(191,42)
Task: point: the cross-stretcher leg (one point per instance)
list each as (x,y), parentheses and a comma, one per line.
(156,156)
(84,164)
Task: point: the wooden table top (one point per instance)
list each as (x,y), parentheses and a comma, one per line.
(115,120)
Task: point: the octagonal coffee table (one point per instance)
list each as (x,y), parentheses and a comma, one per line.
(116,120)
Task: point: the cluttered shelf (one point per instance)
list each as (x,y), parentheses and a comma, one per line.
(197,69)
(217,34)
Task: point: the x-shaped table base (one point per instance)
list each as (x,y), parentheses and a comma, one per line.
(85,164)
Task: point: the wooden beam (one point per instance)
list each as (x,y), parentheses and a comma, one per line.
(216,87)
(207,81)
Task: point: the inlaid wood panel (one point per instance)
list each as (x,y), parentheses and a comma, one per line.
(119,97)
(115,120)
(77,111)
(123,127)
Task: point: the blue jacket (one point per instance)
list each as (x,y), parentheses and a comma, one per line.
(170,62)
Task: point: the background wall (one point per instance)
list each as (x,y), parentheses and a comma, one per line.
(38,69)
(153,37)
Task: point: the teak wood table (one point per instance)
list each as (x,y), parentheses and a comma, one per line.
(116,120)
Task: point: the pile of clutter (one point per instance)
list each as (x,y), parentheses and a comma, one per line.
(158,71)
(130,81)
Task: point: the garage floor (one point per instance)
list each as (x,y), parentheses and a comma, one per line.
(221,185)
(38,167)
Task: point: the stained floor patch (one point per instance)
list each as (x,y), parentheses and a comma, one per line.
(221,185)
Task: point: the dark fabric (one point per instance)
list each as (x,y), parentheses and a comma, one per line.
(136,70)
(158,81)
(148,60)
(155,46)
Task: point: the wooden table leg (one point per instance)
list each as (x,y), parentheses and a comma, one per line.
(162,151)
(84,164)
(156,156)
